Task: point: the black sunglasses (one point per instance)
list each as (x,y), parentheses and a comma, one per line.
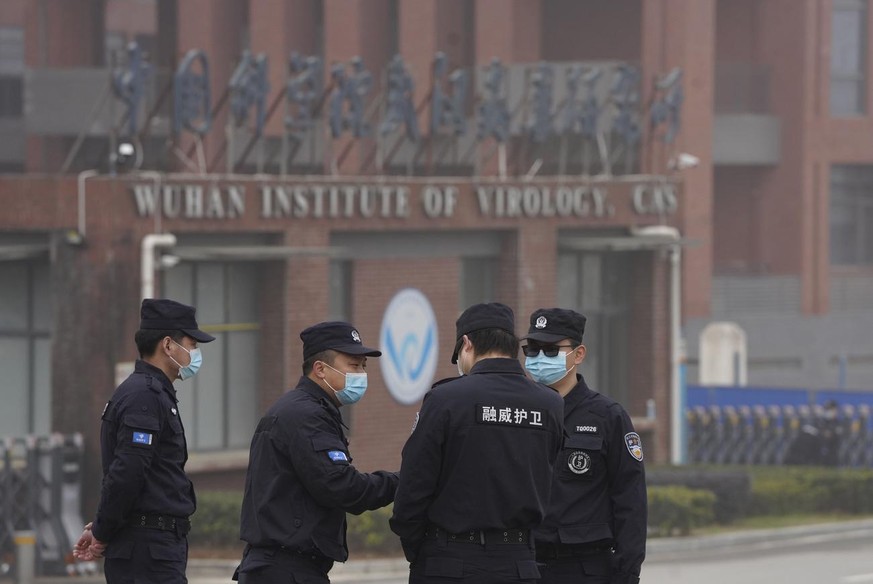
(548,350)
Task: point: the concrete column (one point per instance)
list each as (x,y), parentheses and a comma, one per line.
(307,300)
(537,257)
(794,194)
(279,27)
(649,354)
(357,28)
(681,33)
(216,28)
(509,30)
(428,27)
(60,34)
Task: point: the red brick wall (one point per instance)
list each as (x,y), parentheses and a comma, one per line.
(737,237)
(380,425)
(96,297)
(573,31)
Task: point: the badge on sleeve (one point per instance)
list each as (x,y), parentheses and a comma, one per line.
(634,445)
(415,422)
(142,438)
(337,456)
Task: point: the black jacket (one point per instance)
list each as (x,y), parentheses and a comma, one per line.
(599,492)
(481,455)
(143,448)
(300,482)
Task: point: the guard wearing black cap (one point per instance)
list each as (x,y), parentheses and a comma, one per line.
(595,530)
(146,499)
(300,482)
(477,469)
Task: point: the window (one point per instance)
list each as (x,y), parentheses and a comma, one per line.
(596,285)
(848,47)
(220,406)
(25,348)
(478,278)
(851,215)
(11,72)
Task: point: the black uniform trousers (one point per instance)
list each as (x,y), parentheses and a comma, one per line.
(442,562)
(281,566)
(579,567)
(141,555)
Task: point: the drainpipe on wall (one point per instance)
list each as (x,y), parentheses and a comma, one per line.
(150,243)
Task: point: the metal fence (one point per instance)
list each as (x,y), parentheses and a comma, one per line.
(41,491)
(781,434)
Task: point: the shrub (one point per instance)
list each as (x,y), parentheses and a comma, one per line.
(216,525)
(369,533)
(216,521)
(731,486)
(677,509)
(791,490)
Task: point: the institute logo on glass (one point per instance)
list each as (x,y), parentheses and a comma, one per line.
(409,343)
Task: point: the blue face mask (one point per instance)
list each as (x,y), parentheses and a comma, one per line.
(547,370)
(354,389)
(193,366)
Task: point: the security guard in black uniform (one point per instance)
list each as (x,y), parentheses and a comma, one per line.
(146,500)
(301,482)
(476,472)
(595,530)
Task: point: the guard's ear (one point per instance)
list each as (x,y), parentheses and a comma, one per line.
(580,352)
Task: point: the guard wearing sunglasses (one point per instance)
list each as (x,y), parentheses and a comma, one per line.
(595,528)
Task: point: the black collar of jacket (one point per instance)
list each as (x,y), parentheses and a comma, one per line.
(142,367)
(578,394)
(313,389)
(497,365)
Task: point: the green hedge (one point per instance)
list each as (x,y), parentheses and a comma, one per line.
(732,486)
(216,521)
(676,510)
(680,500)
(370,533)
(796,490)
(216,525)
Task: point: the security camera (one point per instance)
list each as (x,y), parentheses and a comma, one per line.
(126,157)
(683,161)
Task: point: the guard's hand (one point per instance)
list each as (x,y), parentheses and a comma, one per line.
(82,549)
(88,548)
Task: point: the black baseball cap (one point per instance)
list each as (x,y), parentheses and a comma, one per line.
(336,335)
(483,316)
(550,325)
(169,315)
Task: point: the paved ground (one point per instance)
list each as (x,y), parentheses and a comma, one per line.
(837,553)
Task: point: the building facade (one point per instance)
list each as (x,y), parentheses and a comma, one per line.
(743,124)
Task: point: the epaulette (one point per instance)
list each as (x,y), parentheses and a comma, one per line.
(442,381)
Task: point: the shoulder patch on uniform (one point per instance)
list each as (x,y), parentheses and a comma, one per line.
(142,438)
(337,456)
(106,407)
(415,422)
(634,445)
